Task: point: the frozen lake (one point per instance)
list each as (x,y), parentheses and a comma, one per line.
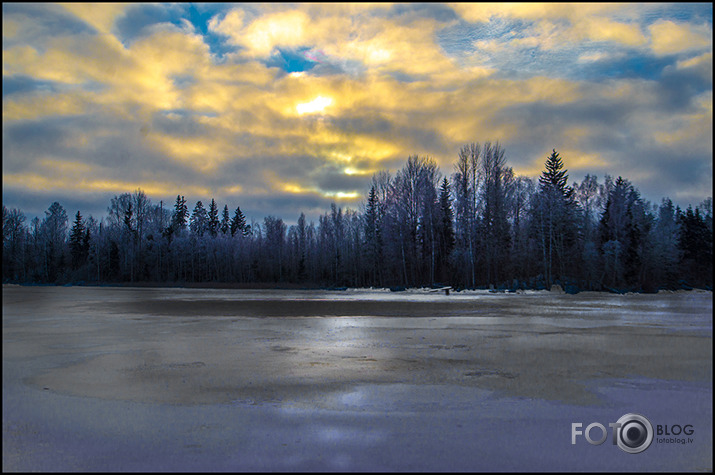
(105,379)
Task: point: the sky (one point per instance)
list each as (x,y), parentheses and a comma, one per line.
(285,108)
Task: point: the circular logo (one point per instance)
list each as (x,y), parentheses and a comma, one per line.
(634,434)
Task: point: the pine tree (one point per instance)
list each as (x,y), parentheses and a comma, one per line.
(180,215)
(372,235)
(555,217)
(445,228)
(77,236)
(213,222)
(553,176)
(225,220)
(238,223)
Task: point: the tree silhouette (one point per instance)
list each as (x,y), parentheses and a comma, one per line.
(484,227)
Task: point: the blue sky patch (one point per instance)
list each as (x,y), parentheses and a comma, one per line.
(292,60)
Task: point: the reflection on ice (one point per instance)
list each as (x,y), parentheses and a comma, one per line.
(395,399)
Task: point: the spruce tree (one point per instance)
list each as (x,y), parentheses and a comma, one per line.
(225,220)
(77,236)
(555,215)
(445,227)
(180,215)
(238,223)
(213,223)
(372,235)
(553,176)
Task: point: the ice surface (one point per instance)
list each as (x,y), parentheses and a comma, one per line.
(204,379)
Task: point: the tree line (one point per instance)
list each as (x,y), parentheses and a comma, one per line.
(480,227)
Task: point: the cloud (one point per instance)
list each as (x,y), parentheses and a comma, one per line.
(669,37)
(101,16)
(554,25)
(211,102)
(40,24)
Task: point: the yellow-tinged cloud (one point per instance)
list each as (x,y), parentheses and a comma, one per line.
(384,46)
(70,60)
(603,29)
(65,168)
(40,105)
(687,130)
(668,37)
(37,182)
(262,35)
(202,153)
(99,15)
(9,28)
(353,122)
(138,80)
(288,28)
(705,59)
(297,189)
(592,22)
(230,25)
(483,12)
(378,44)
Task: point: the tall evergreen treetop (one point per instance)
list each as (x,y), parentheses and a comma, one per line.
(77,235)
(181,214)
(553,176)
(445,206)
(213,223)
(225,220)
(238,223)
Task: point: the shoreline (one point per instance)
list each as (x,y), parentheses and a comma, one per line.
(300,287)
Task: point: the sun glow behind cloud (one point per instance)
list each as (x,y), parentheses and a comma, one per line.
(324,95)
(317,105)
